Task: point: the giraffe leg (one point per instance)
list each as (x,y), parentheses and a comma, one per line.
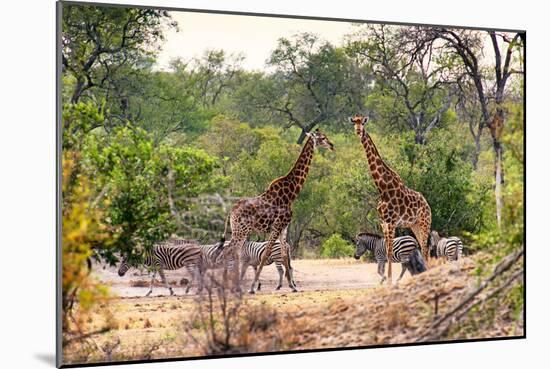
(236,265)
(272,238)
(194,273)
(389,231)
(285,253)
(191,279)
(232,259)
(200,271)
(244,267)
(421,232)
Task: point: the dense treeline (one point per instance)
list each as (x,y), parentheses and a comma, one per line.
(159,152)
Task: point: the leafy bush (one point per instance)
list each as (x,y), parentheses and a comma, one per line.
(144,186)
(511,235)
(82,231)
(336,247)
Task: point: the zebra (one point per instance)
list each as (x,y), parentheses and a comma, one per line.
(211,255)
(450,247)
(251,254)
(405,251)
(172,255)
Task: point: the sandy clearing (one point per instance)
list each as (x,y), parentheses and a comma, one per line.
(310,275)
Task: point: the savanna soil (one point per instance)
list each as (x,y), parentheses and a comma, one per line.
(340,304)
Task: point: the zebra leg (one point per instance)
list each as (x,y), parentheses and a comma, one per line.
(194,271)
(259,282)
(244,267)
(200,272)
(381,271)
(285,254)
(151,286)
(191,272)
(163,278)
(281,272)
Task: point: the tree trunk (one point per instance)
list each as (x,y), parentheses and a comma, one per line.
(77,91)
(305,130)
(499,181)
(475,156)
(419,138)
(496,127)
(302,137)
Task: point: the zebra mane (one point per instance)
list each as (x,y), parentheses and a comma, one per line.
(181,240)
(368,234)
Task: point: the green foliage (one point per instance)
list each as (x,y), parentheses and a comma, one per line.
(336,247)
(78,120)
(440,170)
(313,83)
(99,42)
(511,235)
(411,90)
(227,139)
(82,232)
(164,104)
(138,180)
(169,151)
(349,205)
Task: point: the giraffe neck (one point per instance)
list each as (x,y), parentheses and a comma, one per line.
(298,174)
(380,172)
(296,177)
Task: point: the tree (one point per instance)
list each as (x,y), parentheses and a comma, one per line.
(336,247)
(143,187)
(165,105)
(98,41)
(413,87)
(467,45)
(212,75)
(313,83)
(469,111)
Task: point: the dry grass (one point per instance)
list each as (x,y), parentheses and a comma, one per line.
(152,327)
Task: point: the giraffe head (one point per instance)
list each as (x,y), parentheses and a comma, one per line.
(359,122)
(320,140)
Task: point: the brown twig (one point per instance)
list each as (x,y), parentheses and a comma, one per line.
(455,313)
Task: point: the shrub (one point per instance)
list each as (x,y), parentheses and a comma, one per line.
(336,247)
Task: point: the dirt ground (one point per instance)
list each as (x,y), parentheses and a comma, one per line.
(328,311)
(310,275)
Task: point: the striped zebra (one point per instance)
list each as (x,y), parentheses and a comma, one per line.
(171,255)
(405,251)
(449,247)
(251,255)
(211,255)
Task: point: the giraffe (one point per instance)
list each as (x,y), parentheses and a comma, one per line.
(399,206)
(271,211)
